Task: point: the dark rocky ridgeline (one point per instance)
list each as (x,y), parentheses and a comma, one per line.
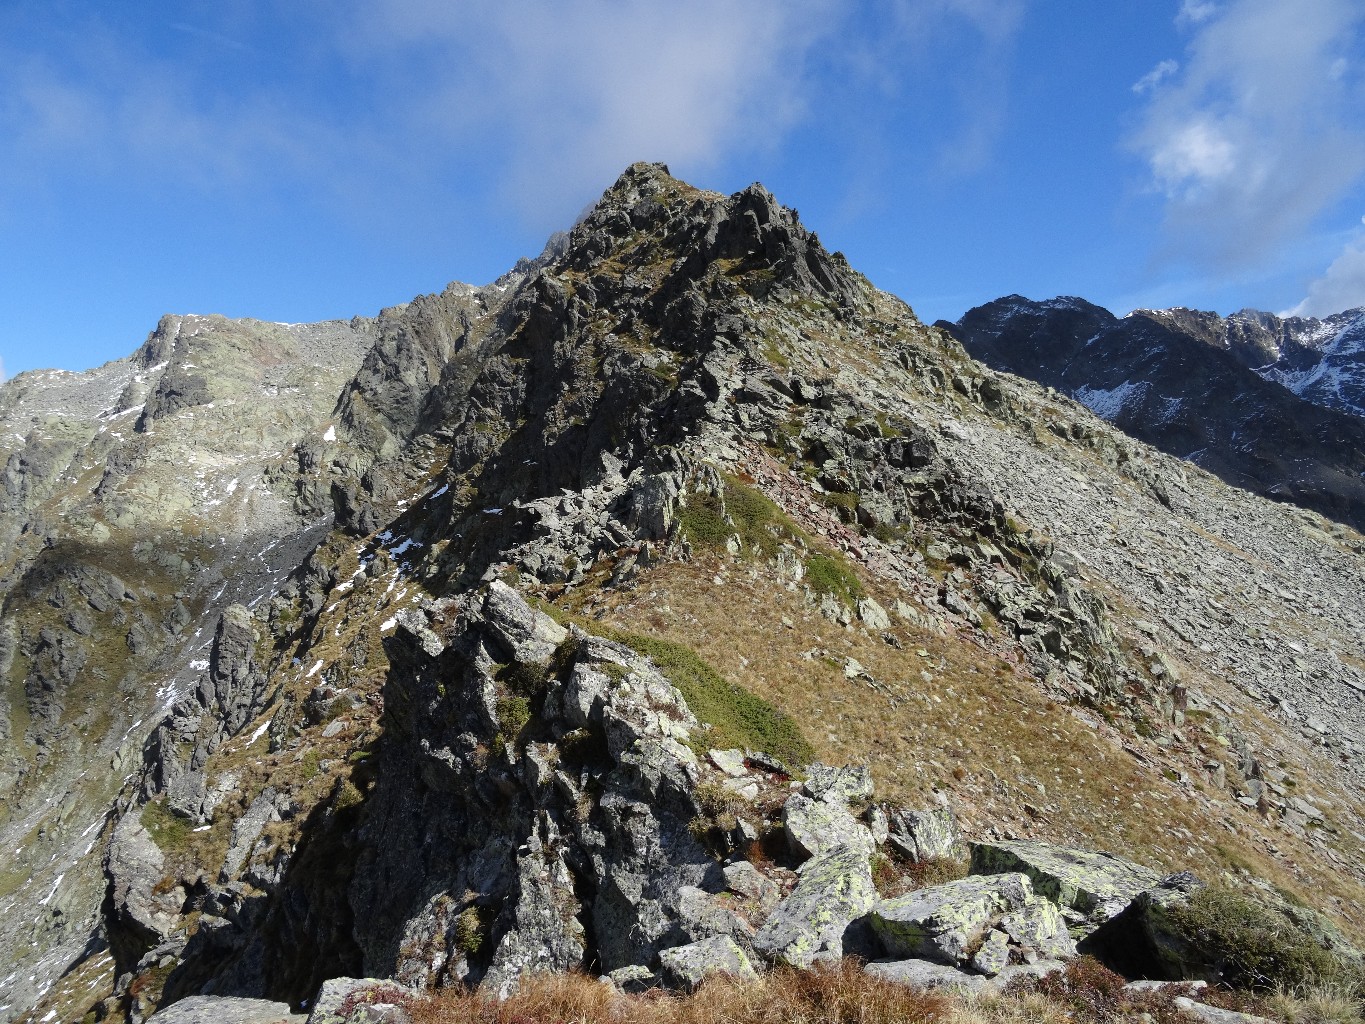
(1196,386)
(393,762)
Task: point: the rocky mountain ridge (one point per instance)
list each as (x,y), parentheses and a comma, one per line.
(1320,360)
(1267,404)
(553,550)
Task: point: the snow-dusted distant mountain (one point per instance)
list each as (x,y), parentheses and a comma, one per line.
(1321,361)
(1275,405)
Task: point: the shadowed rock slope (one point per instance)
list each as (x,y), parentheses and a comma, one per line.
(623,549)
(1267,404)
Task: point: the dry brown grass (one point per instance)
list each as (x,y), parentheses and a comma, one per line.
(840,994)
(978,730)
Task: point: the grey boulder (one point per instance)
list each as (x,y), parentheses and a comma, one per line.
(688,966)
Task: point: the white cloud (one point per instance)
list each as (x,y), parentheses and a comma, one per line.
(1192,12)
(1156,76)
(1342,287)
(1258,132)
(564,94)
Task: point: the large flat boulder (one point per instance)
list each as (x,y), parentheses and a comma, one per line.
(226,1010)
(1097,885)
(948,922)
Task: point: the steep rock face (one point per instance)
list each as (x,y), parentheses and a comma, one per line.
(1192,384)
(137,502)
(1321,361)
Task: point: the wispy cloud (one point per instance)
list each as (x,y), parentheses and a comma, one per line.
(1257,133)
(534,106)
(1156,76)
(1342,287)
(97,106)
(562,94)
(1193,12)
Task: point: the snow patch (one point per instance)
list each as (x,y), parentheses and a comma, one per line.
(48,898)
(260,731)
(331,434)
(314,670)
(388,624)
(1109,403)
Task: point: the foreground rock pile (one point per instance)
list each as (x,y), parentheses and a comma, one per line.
(588,835)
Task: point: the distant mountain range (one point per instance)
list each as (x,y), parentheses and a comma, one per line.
(1270,404)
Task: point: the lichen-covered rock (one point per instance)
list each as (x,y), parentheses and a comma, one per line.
(922,835)
(1098,885)
(545,935)
(994,954)
(688,966)
(838,784)
(833,890)
(530,636)
(226,1010)
(360,1001)
(702,915)
(944,922)
(1040,926)
(814,827)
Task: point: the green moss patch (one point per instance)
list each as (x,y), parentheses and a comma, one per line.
(762,526)
(1256,946)
(828,574)
(737,717)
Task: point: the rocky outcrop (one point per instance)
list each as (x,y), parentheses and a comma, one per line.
(383,757)
(1097,886)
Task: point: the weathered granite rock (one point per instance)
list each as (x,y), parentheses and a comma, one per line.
(994,954)
(1098,885)
(945,922)
(927,974)
(833,890)
(370,1001)
(922,835)
(1216,1014)
(530,636)
(246,830)
(842,784)
(1040,927)
(747,881)
(545,935)
(814,827)
(688,966)
(227,1010)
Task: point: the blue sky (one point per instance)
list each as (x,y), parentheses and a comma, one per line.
(326,158)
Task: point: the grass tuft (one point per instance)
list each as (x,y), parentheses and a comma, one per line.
(835,994)
(1253,946)
(827,574)
(737,717)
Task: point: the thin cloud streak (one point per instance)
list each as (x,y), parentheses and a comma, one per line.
(1342,287)
(1257,134)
